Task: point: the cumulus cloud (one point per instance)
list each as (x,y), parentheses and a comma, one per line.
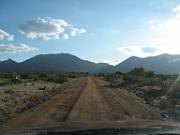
(10,48)
(166,32)
(6,36)
(48,28)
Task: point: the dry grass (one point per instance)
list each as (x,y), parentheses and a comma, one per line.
(19,97)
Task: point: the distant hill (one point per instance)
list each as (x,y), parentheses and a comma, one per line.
(163,64)
(54,62)
(8,65)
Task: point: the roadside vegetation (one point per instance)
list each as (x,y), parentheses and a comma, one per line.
(21,91)
(162,92)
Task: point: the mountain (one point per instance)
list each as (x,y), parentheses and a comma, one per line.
(8,65)
(54,62)
(162,64)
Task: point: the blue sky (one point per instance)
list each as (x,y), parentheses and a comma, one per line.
(96,30)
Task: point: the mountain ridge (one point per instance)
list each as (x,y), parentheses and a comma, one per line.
(161,64)
(54,62)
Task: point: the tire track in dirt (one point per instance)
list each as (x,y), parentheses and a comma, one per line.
(89,106)
(122,104)
(75,101)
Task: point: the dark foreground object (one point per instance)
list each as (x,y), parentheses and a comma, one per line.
(122,131)
(141,127)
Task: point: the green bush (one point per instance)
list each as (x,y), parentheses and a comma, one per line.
(7,75)
(14,81)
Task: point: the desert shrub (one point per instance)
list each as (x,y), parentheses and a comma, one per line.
(140,77)
(130,79)
(73,76)
(149,74)
(76,74)
(42,75)
(9,91)
(137,71)
(118,73)
(26,76)
(42,88)
(57,78)
(7,75)
(9,81)
(4,82)
(142,72)
(15,81)
(53,77)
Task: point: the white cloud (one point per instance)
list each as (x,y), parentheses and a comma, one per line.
(177,10)
(10,47)
(76,31)
(149,49)
(139,50)
(112,62)
(21,47)
(162,37)
(6,36)
(48,28)
(66,36)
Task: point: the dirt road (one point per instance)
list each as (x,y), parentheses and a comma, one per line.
(89,106)
(87,99)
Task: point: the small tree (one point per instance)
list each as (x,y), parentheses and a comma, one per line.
(138,71)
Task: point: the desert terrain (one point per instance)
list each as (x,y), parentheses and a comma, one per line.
(85,100)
